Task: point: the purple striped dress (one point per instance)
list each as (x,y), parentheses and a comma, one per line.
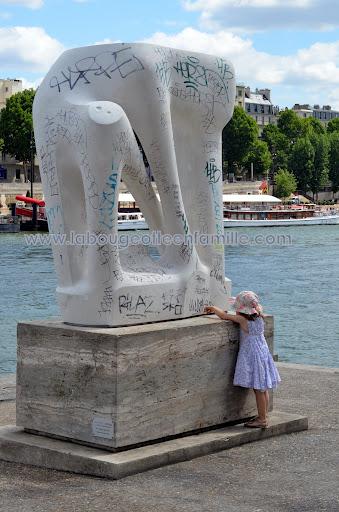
(255,367)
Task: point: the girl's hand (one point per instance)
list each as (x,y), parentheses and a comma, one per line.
(209,309)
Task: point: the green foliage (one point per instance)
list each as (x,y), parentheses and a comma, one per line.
(238,137)
(294,145)
(334,160)
(290,125)
(302,162)
(319,176)
(333,125)
(16,125)
(1,144)
(311,125)
(274,138)
(260,156)
(302,146)
(286,183)
(278,145)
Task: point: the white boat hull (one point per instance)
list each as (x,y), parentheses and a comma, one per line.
(127,225)
(133,225)
(309,221)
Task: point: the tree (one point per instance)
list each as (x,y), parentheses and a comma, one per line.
(290,125)
(312,125)
(334,160)
(238,136)
(333,125)
(260,157)
(1,145)
(302,162)
(319,175)
(278,146)
(285,182)
(16,126)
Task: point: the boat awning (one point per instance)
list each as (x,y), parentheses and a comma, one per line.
(250,198)
(126,197)
(30,200)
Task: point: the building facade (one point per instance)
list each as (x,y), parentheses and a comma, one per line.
(259,106)
(8,87)
(240,96)
(324,114)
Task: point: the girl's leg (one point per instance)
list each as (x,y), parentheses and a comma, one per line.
(260,397)
(267,398)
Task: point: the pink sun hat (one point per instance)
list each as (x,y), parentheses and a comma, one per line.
(246,302)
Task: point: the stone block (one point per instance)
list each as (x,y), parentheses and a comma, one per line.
(118,387)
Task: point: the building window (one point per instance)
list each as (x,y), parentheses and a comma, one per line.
(17,174)
(6,89)
(3,173)
(239,93)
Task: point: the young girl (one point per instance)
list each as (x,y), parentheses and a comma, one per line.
(255,368)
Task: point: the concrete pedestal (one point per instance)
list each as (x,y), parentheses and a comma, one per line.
(120,387)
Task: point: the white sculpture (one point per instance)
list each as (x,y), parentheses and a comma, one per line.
(85,112)
(4,210)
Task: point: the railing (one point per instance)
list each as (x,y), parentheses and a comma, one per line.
(9,220)
(28,212)
(248,208)
(268,207)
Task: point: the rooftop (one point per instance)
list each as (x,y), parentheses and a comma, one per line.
(258,99)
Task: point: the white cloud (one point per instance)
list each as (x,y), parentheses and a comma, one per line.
(107,41)
(28,48)
(29,84)
(32,4)
(312,72)
(252,15)
(216,4)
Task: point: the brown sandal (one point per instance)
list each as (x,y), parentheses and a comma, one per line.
(256,423)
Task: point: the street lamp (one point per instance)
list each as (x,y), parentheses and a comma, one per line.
(32,160)
(35,208)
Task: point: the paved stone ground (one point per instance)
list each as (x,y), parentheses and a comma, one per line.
(7,387)
(292,473)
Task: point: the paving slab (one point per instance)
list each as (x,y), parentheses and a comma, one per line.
(288,473)
(16,445)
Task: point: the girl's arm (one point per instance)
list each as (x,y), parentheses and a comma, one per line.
(225,316)
(217,311)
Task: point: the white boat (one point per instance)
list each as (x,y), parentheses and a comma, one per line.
(262,210)
(9,224)
(307,221)
(131,221)
(240,210)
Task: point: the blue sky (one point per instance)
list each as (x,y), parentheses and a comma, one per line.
(289,46)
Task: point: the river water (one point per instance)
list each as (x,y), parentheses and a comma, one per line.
(297,281)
